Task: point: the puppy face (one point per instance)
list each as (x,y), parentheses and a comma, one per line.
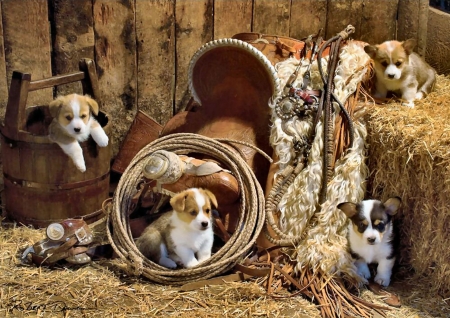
(193,207)
(73,113)
(371,218)
(391,57)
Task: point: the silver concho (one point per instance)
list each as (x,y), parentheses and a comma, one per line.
(55,231)
(288,107)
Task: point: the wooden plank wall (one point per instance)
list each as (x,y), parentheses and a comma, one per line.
(142,48)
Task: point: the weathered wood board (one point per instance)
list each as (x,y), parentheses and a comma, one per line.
(26,32)
(341,13)
(155,35)
(271,17)
(73,38)
(232,17)
(307,17)
(378,23)
(438,48)
(115,55)
(194,27)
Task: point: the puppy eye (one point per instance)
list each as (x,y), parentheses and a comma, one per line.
(398,63)
(384,63)
(381,226)
(193,213)
(207,211)
(83,116)
(68,117)
(361,227)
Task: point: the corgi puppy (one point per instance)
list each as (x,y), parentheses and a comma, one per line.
(370,236)
(401,71)
(183,236)
(73,122)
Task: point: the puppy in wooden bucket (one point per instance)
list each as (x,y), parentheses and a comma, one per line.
(183,236)
(73,122)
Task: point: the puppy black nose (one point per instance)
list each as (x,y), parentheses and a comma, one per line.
(391,76)
(371,240)
(77,129)
(205,224)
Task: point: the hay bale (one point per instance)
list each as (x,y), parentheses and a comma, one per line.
(409,156)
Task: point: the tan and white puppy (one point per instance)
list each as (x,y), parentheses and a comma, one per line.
(400,70)
(183,236)
(73,122)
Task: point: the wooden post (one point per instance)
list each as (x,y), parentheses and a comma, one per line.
(155,38)
(413,22)
(15,119)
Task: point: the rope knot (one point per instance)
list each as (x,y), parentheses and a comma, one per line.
(350,29)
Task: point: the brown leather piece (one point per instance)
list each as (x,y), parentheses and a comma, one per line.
(390,299)
(143,130)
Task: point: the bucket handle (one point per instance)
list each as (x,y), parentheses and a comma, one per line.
(21,85)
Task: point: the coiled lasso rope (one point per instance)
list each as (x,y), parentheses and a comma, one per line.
(251,215)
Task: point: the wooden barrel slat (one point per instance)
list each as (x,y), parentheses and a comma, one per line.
(42,185)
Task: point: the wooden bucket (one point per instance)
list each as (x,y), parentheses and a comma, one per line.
(42,185)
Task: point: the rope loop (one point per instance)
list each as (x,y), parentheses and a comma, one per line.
(249,224)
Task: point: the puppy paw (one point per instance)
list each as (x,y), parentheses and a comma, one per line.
(419,95)
(80,165)
(102,141)
(383,279)
(99,135)
(167,262)
(363,270)
(191,263)
(408,104)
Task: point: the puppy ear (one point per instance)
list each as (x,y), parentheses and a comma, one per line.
(211,197)
(392,205)
(409,45)
(55,106)
(93,105)
(371,50)
(348,208)
(178,202)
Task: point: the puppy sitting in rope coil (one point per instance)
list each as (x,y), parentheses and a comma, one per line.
(183,236)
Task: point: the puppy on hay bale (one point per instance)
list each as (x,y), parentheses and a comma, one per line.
(409,155)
